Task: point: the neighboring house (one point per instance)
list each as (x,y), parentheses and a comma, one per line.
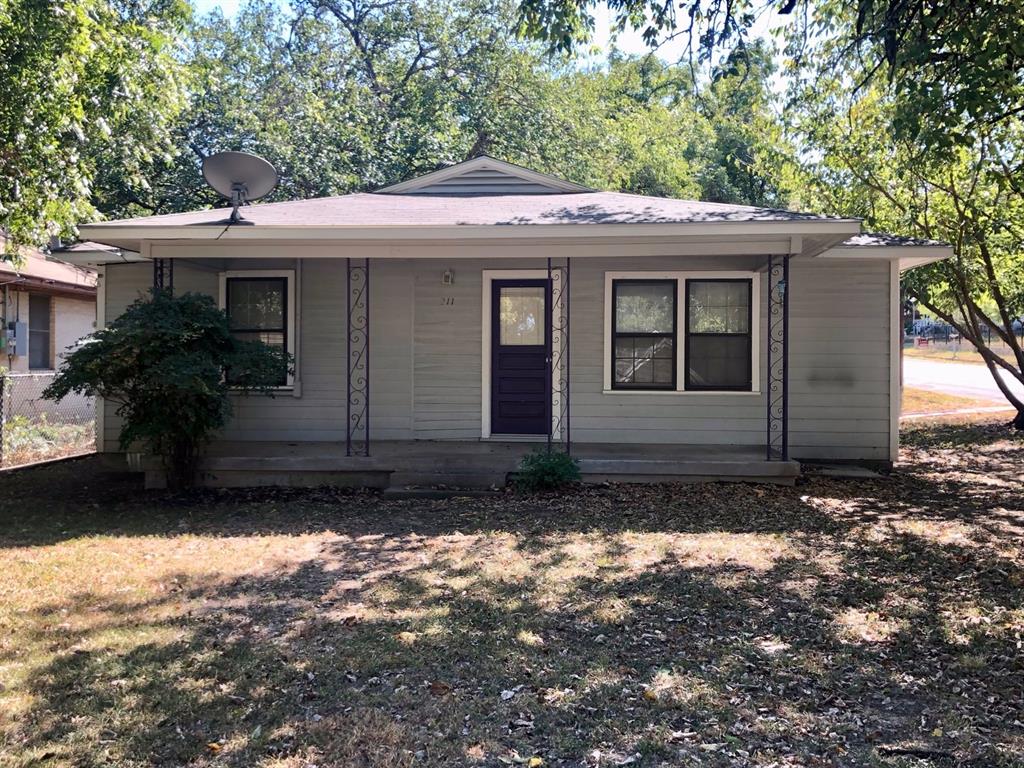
(459,319)
(47,307)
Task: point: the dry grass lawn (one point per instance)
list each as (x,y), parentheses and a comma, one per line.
(920,401)
(841,622)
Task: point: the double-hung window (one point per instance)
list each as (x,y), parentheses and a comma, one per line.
(260,307)
(718,337)
(679,331)
(40,349)
(644,334)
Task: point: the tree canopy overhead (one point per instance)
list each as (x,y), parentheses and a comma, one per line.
(84,84)
(946,60)
(351,96)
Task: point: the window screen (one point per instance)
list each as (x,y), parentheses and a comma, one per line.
(39,348)
(644,334)
(257,310)
(718,338)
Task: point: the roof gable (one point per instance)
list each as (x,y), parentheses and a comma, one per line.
(484,176)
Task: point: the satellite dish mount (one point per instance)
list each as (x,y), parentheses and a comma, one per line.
(240,177)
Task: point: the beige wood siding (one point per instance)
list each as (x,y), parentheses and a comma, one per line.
(839,359)
(426,356)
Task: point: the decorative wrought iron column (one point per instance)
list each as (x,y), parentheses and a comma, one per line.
(357,348)
(777,351)
(559,295)
(163,275)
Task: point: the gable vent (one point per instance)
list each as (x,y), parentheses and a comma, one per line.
(485,176)
(485,182)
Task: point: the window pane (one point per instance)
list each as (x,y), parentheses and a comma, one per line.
(256,303)
(270,338)
(719,361)
(644,307)
(39,332)
(521,314)
(644,361)
(719,306)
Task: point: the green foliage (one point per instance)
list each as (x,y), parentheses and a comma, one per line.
(970,196)
(955,66)
(547,471)
(85,85)
(163,363)
(339,106)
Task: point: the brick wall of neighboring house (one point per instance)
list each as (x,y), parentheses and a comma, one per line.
(70,320)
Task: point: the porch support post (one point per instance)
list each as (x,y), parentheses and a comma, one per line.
(357,357)
(777,358)
(163,275)
(550,340)
(559,282)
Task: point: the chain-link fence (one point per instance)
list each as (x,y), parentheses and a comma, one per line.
(33,428)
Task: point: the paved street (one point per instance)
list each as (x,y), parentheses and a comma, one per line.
(966,379)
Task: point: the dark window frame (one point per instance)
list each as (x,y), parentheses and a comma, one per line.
(35,333)
(749,336)
(643,387)
(283,330)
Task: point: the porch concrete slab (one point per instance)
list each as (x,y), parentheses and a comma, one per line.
(474,464)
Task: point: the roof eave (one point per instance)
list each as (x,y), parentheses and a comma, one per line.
(117,234)
(908,256)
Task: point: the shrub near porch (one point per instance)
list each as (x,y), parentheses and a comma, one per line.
(846,623)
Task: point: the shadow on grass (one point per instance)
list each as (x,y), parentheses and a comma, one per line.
(466,648)
(836,623)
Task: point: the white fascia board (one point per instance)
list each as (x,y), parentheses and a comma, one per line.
(98,258)
(907,256)
(121,233)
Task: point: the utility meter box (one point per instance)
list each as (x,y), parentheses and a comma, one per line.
(17,339)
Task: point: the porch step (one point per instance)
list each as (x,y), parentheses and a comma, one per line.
(431,478)
(439,493)
(599,470)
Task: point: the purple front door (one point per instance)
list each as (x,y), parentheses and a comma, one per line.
(520,357)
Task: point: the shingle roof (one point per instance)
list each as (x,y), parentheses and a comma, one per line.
(37,266)
(399,210)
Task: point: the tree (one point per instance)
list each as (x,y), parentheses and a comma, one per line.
(866,167)
(169,364)
(945,60)
(84,85)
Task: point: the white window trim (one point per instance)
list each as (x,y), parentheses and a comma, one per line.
(490,275)
(681,278)
(289,275)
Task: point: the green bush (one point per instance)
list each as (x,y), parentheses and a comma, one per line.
(168,364)
(547,471)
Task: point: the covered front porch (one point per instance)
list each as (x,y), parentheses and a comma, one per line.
(482,464)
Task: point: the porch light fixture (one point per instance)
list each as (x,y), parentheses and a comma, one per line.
(448,277)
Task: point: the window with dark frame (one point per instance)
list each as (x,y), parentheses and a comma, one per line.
(644,334)
(40,357)
(257,309)
(719,317)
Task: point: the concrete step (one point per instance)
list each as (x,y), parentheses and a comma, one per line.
(464,479)
(439,493)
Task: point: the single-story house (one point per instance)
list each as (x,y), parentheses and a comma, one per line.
(443,326)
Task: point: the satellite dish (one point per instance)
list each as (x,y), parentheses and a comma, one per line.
(240,177)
